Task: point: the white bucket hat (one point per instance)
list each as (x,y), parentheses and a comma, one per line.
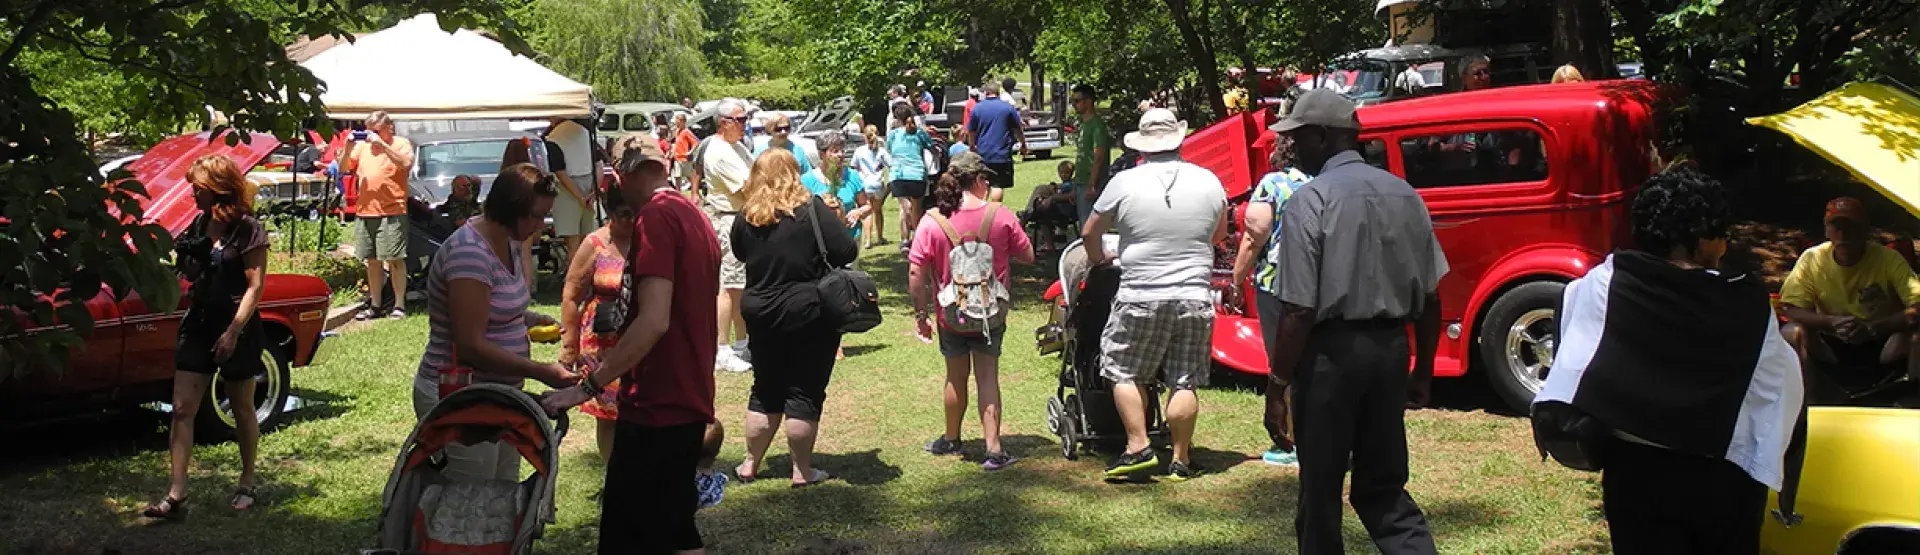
(1160,131)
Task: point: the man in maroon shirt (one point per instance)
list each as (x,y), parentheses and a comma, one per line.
(666,371)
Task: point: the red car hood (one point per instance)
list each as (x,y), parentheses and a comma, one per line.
(163,170)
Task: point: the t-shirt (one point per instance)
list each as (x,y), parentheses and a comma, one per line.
(848,193)
(1093,136)
(465,255)
(673,385)
(1880,284)
(576,150)
(783,262)
(995,126)
(930,243)
(1275,189)
(219,275)
(1166,213)
(907,149)
(799,154)
(955,149)
(870,161)
(683,144)
(724,167)
(382,180)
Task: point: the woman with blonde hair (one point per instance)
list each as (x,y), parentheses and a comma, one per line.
(871,161)
(775,237)
(1568,74)
(223,255)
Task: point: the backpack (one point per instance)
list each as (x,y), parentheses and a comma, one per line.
(974,300)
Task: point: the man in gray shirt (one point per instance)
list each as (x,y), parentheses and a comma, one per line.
(1169,214)
(1358,262)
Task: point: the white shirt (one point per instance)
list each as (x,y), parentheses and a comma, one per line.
(576,146)
(724,166)
(1166,213)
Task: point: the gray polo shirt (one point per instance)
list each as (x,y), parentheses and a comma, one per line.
(1357,243)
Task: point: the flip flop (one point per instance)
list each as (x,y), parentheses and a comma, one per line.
(744,478)
(167,509)
(819,476)
(243,498)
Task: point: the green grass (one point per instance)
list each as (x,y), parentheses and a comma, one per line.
(75,488)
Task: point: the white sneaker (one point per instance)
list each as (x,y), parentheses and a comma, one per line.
(726,361)
(740,350)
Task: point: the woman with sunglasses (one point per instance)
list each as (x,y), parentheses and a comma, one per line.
(477,313)
(781,131)
(224,256)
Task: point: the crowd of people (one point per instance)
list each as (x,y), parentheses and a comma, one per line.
(710,250)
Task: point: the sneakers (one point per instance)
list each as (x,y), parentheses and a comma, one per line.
(740,350)
(1181,472)
(1280,457)
(1130,463)
(943,446)
(726,361)
(996,461)
(712,487)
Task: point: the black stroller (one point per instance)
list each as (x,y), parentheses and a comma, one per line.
(1081,411)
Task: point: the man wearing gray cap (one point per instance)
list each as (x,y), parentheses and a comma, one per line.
(1169,214)
(1358,262)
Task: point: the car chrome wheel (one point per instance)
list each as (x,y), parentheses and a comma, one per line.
(1530,345)
(269,389)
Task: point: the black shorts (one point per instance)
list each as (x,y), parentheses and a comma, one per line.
(650,496)
(1852,355)
(792,373)
(1002,175)
(908,188)
(199,331)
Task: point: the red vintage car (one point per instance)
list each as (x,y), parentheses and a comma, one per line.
(128,360)
(1528,187)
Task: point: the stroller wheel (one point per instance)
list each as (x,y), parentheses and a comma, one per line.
(1055,410)
(1069,429)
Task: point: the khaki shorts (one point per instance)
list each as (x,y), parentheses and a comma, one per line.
(571,218)
(733,272)
(381,238)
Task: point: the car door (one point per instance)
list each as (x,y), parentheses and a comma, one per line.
(150,337)
(1486,187)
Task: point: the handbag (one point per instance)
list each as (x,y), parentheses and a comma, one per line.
(1570,436)
(849,299)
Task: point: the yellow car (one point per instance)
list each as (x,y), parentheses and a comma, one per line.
(1859,488)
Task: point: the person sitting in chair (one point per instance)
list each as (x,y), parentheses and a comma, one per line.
(1851,304)
(1052,208)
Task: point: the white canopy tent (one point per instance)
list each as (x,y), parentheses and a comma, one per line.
(415,70)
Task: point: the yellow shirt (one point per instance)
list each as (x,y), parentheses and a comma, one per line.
(1879,285)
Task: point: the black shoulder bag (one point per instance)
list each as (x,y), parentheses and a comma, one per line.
(848,298)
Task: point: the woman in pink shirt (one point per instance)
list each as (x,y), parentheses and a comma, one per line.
(961,198)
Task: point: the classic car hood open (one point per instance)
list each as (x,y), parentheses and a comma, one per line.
(163,170)
(1872,130)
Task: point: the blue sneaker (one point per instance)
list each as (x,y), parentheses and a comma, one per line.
(712,487)
(1280,457)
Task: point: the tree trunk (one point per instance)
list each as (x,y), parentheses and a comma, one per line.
(1583,36)
(1206,69)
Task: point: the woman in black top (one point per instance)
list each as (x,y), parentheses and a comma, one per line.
(224,256)
(793,351)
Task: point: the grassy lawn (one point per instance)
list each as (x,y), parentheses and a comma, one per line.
(74,487)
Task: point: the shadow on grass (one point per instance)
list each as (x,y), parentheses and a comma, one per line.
(857,350)
(864,468)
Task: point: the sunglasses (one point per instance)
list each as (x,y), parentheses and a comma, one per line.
(735,119)
(1482,71)
(782,129)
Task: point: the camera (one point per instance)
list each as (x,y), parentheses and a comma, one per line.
(360,135)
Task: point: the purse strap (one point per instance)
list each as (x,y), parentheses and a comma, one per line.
(820,240)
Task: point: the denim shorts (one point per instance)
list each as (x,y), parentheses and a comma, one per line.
(954,344)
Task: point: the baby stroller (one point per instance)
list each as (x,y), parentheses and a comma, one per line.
(423,511)
(1081,411)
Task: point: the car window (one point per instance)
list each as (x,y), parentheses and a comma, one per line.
(1375,153)
(609,122)
(450,159)
(1476,158)
(636,122)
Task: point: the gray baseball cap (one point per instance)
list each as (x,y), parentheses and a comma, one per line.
(1319,107)
(970,163)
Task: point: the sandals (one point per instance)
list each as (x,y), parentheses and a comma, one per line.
(819,476)
(167,509)
(243,498)
(744,477)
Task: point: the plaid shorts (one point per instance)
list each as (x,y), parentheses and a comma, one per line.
(1173,338)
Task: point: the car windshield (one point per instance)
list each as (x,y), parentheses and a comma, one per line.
(458,158)
(1358,78)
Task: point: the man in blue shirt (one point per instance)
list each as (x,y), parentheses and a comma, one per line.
(992,130)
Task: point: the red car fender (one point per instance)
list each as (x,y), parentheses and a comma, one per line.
(1238,344)
(1560,261)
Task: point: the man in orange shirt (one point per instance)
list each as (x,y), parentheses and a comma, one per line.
(382,162)
(683,142)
